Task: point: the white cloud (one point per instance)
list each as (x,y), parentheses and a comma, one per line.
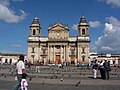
(74,27)
(15,48)
(110,41)
(13,51)
(93,48)
(16,45)
(8,15)
(6,51)
(115,3)
(4,2)
(106,48)
(94,24)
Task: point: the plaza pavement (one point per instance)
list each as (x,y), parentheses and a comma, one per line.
(52,78)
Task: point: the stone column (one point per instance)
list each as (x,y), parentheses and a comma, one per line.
(50,54)
(78,54)
(40,54)
(87,54)
(44,61)
(75,61)
(54,54)
(75,56)
(87,31)
(64,53)
(68,53)
(47,55)
(61,54)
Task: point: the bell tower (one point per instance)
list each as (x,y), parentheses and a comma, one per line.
(83,27)
(33,41)
(35,28)
(83,41)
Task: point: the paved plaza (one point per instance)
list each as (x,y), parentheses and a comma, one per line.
(54,78)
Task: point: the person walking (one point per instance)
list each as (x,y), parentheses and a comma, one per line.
(24,83)
(106,65)
(95,68)
(37,69)
(102,69)
(20,67)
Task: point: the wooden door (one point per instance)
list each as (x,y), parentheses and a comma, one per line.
(72,60)
(57,59)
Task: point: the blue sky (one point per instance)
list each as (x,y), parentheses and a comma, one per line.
(103,17)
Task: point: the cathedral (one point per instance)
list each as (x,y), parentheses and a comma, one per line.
(58,47)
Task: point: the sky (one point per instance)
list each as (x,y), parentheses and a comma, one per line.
(103,17)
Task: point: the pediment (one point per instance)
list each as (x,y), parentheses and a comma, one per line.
(58,26)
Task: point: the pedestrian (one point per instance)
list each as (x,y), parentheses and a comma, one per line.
(102,69)
(24,83)
(29,65)
(95,68)
(0,61)
(106,65)
(37,68)
(20,67)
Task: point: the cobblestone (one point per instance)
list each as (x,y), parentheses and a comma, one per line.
(52,78)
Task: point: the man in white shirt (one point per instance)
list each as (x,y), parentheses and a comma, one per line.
(20,67)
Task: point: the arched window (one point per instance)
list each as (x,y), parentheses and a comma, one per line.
(33,50)
(34,32)
(72,52)
(83,31)
(83,50)
(83,58)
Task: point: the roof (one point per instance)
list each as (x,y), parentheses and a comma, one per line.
(11,54)
(58,26)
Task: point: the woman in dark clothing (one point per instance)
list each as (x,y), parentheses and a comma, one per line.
(95,68)
(102,70)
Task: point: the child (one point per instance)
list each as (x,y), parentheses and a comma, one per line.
(24,83)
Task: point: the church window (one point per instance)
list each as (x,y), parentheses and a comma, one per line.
(44,52)
(83,58)
(34,32)
(33,56)
(33,49)
(83,50)
(83,31)
(72,52)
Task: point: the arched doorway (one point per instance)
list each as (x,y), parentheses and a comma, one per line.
(72,60)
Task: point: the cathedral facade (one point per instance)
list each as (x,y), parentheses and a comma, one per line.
(58,47)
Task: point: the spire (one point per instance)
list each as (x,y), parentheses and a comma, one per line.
(35,22)
(83,21)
